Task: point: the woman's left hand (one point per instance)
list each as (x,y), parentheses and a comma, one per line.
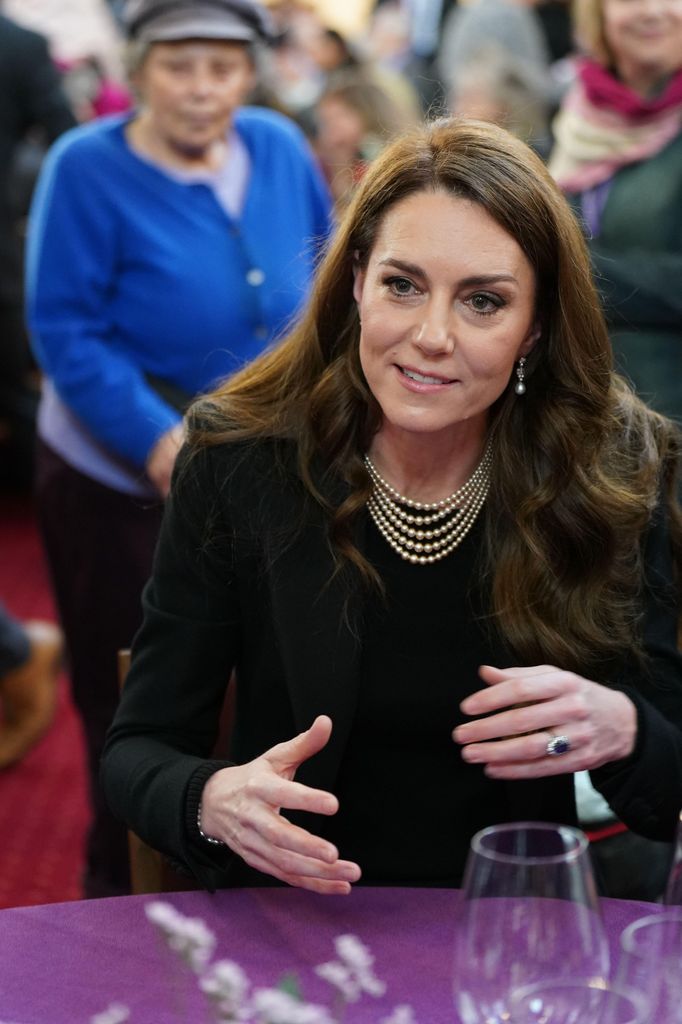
(527,708)
(161,459)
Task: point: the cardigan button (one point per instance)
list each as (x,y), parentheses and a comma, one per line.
(255,276)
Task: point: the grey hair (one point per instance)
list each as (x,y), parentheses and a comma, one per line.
(134,56)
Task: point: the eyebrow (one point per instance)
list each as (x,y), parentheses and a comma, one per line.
(475,279)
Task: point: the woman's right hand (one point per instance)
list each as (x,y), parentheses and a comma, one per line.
(241,806)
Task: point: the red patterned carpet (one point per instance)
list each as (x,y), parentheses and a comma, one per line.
(43,799)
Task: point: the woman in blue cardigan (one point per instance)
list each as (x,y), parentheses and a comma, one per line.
(166,249)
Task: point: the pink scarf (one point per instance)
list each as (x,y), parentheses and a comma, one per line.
(603,90)
(603,125)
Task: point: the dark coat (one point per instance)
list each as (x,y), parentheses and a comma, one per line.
(232,588)
(30,97)
(637,259)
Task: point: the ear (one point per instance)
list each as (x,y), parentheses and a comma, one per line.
(530,340)
(136,81)
(358,281)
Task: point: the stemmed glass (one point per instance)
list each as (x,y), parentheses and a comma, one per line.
(673,891)
(651,962)
(529,912)
(576,1002)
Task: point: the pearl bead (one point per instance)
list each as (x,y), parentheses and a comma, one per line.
(520,388)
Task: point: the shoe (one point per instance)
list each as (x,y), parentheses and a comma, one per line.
(28,694)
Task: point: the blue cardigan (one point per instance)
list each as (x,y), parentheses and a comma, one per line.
(131,273)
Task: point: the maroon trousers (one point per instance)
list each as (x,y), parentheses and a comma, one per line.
(99,546)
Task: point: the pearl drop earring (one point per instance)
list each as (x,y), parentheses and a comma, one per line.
(520,387)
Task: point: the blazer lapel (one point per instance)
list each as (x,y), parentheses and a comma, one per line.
(319,647)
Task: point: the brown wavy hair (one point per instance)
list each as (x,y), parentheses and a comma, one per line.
(579,463)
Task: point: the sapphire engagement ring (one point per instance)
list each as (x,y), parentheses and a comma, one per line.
(558,745)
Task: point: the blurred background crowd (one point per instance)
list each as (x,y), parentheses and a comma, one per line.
(130,258)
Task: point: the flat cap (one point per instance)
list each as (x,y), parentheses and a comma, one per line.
(157,21)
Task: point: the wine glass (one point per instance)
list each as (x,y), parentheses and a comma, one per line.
(529,912)
(673,890)
(564,1001)
(651,961)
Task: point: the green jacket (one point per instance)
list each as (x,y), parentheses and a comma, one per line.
(637,258)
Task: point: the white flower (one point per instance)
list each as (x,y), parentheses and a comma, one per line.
(401,1015)
(163,915)
(227,985)
(187,936)
(114,1014)
(353,952)
(358,960)
(273,1006)
(196,943)
(339,977)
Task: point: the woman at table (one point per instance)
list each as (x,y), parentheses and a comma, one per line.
(166,248)
(433,534)
(618,156)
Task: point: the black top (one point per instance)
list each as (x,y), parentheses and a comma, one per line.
(421,650)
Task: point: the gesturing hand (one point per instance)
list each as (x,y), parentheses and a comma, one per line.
(527,707)
(241,806)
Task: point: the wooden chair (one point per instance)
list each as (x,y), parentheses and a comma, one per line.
(149,870)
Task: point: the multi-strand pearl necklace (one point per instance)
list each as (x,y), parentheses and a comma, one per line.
(430,531)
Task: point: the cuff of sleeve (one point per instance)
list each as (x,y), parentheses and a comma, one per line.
(195,788)
(613,767)
(643,789)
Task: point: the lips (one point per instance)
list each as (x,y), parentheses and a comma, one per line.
(199,118)
(424,378)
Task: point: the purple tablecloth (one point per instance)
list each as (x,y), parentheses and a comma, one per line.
(62,963)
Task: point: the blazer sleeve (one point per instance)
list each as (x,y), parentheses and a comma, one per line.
(645,789)
(158,750)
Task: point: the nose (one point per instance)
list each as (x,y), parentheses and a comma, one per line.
(653,8)
(435,332)
(202,82)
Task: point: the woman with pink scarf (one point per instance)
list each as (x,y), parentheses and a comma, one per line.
(618,155)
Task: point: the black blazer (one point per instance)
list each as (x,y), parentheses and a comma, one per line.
(232,587)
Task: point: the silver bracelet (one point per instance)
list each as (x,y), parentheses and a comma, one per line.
(209,839)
